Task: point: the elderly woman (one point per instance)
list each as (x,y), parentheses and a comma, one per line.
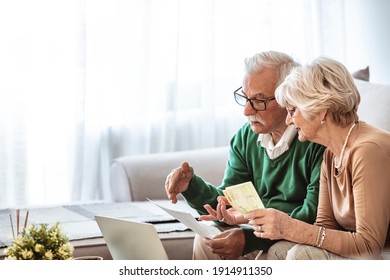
(354,201)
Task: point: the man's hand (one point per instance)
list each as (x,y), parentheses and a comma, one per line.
(177,181)
(221,213)
(228,244)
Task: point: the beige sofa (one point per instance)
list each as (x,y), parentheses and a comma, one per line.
(137,177)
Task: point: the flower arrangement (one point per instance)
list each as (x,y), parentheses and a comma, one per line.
(40,243)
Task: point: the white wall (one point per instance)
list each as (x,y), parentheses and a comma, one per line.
(368,37)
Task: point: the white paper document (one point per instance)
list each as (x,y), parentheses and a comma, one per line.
(187,219)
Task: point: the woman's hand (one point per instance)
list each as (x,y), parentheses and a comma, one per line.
(223,214)
(269,223)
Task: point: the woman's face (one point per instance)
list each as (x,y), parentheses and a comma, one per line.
(307,129)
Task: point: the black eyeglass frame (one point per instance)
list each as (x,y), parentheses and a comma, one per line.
(250,100)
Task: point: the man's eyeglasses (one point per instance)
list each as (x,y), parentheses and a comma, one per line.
(257,104)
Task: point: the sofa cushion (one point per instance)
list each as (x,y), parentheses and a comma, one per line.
(375,103)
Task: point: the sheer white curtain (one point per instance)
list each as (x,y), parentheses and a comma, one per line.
(41,94)
(83,82)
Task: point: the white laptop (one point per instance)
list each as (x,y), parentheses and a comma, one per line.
(131,240)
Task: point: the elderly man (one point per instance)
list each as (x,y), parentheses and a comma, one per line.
(265,151)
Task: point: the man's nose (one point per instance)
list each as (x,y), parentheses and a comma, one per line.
(248,110)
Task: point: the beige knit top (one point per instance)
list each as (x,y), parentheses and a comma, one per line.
(355,201)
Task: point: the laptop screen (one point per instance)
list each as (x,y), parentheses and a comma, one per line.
(131,240)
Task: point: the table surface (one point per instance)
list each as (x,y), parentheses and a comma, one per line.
(77,221)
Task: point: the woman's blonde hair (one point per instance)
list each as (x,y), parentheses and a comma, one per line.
(323,85)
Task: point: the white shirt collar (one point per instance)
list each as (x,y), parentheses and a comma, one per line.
(273,151)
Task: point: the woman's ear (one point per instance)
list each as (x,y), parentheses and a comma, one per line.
(323,116)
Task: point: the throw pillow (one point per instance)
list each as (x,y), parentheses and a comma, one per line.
(362,74)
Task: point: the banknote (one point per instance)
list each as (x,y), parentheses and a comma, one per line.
(243,197)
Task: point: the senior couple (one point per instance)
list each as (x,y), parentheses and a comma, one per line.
(322,174)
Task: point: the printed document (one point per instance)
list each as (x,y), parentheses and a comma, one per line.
(203,229)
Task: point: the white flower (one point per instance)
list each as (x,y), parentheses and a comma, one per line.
(48,255)
(19,241)
(39,248)
(27,254)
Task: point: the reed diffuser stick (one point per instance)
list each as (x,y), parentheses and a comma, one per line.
(12,225)
(17,220)
(25,221)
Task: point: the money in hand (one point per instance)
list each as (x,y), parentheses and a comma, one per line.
(243,197)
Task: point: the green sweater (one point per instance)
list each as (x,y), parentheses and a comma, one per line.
(289,182)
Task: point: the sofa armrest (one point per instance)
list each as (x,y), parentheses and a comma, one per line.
(135,178)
